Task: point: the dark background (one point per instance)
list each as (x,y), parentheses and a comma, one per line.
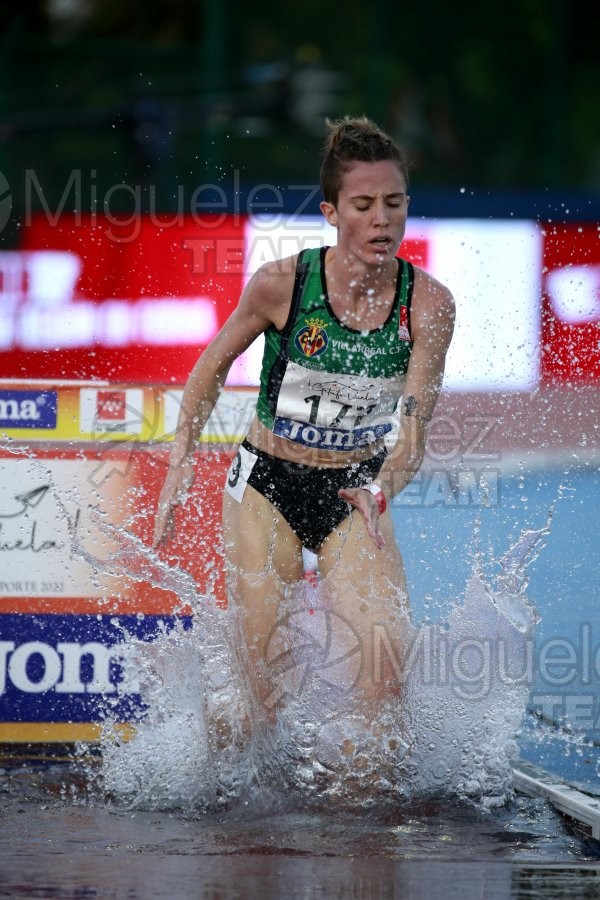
(496,104)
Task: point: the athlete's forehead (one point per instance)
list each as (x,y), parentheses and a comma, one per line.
(373,179)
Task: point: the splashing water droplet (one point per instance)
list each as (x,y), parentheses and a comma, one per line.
(200,742)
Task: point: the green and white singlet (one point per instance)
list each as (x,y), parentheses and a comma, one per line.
(326,385)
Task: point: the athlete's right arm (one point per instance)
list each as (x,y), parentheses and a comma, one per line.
(264,302)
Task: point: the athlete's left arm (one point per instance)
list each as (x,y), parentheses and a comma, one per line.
(432,321)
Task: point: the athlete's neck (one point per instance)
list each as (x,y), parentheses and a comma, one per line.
(355,289)
(356,280)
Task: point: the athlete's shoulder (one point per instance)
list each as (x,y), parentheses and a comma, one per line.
(428,292)
(433,311)
(273,276)
(269,291)
(285,268)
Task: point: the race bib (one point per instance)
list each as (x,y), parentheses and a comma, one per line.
(335,412)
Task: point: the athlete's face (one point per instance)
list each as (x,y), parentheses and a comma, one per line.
(370,214)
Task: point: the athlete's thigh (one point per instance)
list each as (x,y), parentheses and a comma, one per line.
(262,557)
(258,540)
(367,588)
(349,556)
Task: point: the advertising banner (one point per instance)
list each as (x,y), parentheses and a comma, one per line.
(571,310)
(77,576)
(136,301)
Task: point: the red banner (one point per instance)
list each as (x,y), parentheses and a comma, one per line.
(571,304)
(136,300)
(86,298)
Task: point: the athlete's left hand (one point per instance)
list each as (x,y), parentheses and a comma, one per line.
(367,506)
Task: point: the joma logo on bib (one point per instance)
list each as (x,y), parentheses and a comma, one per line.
(329,438)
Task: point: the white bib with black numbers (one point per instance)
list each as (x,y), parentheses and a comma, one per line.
(330,411)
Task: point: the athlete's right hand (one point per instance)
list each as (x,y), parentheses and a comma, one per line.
(177,483)
(367,506)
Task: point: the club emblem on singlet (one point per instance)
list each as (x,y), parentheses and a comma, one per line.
(312,340)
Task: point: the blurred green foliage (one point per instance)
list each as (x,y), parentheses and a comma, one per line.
(169,93)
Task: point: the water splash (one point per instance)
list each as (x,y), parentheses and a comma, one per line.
(189,750)
(129,557)
(446,730)
(451,732)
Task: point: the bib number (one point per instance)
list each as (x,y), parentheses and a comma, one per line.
(345,408)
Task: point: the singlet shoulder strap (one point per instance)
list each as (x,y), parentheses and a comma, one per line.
(302,267)
(404,290)
(278,368)
(409,294)
(404,282)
